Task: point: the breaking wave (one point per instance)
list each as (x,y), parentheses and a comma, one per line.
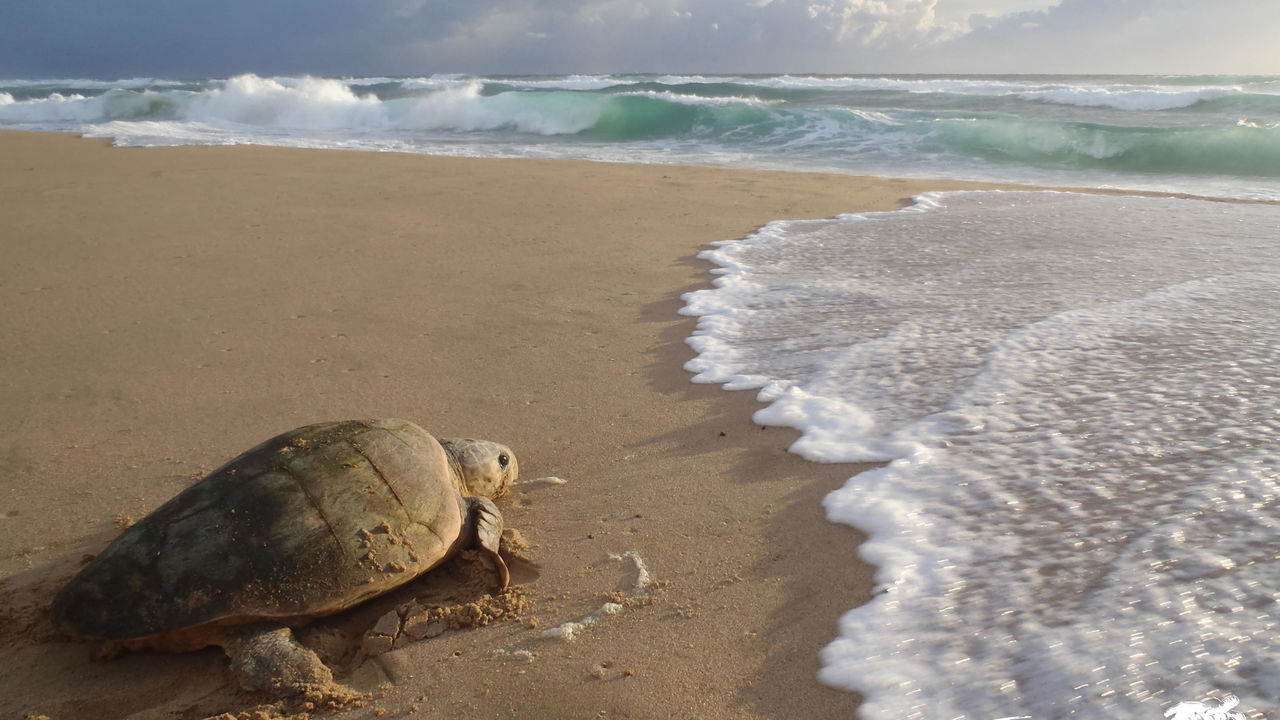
(1034,129)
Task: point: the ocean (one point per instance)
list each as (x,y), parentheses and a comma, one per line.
(1071,398)
(1204,135)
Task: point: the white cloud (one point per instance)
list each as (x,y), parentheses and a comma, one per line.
(406,8)
(877,22)
(962,10)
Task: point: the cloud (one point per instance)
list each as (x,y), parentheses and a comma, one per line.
(1124,36)
(689,35)
(413,37)
(174,37)
(872,22)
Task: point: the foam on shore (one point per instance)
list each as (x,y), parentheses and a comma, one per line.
(1076,395)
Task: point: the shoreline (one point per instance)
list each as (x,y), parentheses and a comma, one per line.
(171,307)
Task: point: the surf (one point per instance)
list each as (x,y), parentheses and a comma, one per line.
(1205,135)
(1072,396)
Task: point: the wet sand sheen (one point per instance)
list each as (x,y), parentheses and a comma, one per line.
(168,308)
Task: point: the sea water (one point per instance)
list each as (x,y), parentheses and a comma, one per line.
(1078,400)
(1209,135)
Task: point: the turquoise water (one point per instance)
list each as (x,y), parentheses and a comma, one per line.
(1217,135)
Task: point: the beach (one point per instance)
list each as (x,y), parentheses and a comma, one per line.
(168,308)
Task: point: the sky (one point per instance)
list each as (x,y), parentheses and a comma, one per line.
(203,38)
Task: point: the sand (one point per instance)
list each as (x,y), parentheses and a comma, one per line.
(167,308)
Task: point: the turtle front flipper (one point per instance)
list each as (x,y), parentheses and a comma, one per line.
(266,656)
(485,517)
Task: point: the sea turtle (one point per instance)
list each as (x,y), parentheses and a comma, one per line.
(306,524)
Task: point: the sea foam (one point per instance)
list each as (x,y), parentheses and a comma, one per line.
(1076,397)
(305,103)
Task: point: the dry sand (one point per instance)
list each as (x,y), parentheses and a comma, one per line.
(165,309)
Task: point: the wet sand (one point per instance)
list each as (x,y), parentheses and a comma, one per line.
(168,308)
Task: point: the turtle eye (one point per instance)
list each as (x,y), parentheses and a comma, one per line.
(503,460)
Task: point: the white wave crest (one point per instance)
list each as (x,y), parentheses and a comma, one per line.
(282,107)
(463,108)
(54,108)
(568,82)
(438,82)
(1247,123)
(86,84)
(447,104)
(911,85)
(690,79)
(304,103)
(703,100)
(1127,98)
(1087,94)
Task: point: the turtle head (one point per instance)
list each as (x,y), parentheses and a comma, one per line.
(483,468)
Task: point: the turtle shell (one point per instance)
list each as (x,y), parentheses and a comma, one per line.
(306,524)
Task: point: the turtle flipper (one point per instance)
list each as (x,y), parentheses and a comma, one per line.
(267,657)
(487,519)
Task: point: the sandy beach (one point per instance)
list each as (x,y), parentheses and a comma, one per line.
(168,308)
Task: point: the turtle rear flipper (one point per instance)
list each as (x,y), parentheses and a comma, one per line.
(487,520)
(267,657)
